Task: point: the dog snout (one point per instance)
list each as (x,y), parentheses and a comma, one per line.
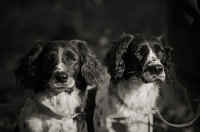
(61,78)
(157,69)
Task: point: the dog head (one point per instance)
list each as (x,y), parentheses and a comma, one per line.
(140,57)
(59,65)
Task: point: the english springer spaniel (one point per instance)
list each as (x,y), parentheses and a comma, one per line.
(58,72)
(136,64)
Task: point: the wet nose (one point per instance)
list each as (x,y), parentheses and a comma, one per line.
(61,78)
(157,69)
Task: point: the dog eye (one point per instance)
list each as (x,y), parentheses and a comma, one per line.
(50,59)
(72,59)
(161,51)
(138,53)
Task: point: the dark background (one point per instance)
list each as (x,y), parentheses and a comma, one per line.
(98,22)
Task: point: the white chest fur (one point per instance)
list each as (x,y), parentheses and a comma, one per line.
(34,115)
(110,113)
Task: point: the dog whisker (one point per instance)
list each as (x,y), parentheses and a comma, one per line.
(138,75)
(131,72)
(135,73)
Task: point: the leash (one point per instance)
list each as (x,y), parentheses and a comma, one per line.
(180,125)
(158,114)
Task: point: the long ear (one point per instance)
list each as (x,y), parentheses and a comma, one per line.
(27,72)
(167,59)
(91,69)
(114,58)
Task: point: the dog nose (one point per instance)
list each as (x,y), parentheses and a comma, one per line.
(61,78)
(157,69)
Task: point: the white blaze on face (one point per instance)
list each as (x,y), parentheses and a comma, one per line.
(151,55)
(60,67)
(151,61)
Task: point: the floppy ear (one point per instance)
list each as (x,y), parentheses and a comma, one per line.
(114,58)
(91,68)
(27,72)
(167,59)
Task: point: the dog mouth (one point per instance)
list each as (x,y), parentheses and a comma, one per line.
(62,85)
(150,79)
(153,73)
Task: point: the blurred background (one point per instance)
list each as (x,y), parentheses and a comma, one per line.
(99,22)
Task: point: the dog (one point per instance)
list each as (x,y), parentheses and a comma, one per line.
(58,73)
(126,100)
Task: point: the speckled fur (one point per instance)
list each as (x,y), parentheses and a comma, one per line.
(140,97)
(34,117)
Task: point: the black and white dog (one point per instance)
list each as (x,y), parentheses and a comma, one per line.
(125,100)
(58,72)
